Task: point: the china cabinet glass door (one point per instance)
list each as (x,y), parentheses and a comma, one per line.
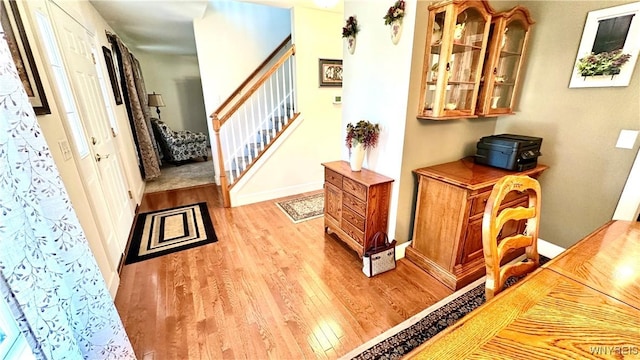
(456,42)
(504,61)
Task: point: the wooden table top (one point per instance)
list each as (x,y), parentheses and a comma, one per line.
(608,260)
(580,305)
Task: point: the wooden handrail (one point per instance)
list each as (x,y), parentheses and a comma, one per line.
(253,74)
(256,86)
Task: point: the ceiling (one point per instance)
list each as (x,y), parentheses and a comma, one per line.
(167,26)
(154,26)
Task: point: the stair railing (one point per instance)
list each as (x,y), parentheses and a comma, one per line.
(253,116)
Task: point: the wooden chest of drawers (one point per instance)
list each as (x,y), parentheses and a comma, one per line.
(447,235)
(356,204)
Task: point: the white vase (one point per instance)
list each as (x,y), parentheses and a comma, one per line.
(396,31)
(357,156)
(351,44)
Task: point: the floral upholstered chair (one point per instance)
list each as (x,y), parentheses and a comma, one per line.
(178,146)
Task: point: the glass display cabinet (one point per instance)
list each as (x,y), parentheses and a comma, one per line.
(457,35)
(503,62)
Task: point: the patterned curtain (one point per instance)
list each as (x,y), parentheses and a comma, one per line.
(136,94)
(48,275)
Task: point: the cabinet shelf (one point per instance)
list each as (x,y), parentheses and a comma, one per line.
(507,54)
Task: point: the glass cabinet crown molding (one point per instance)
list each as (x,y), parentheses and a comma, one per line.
(457,36)
(504,62)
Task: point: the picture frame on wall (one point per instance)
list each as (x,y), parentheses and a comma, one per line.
(330,72)
(22,56)
(113,79)
(610,37)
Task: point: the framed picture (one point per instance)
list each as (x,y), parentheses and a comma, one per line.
(111,69)
(609,47)
(22,56)
(330,72)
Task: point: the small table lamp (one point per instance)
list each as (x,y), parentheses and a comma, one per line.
(156,100)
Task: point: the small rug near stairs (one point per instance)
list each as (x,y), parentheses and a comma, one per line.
(303,208)
(167,231)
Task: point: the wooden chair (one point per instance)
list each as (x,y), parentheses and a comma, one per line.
(494,219)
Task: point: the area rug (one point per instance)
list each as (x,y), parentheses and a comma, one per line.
(167,231)
(193,173)
(401,339)
(303,208)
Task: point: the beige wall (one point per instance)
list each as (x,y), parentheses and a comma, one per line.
(579,126)
(177,78)
(295,166)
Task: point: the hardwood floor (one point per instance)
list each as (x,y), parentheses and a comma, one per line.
(267,289)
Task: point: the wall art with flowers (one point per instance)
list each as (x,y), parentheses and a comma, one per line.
(393,17)
(349,32)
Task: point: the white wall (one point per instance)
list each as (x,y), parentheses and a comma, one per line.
(232,39)
(177,78)
(376,87)
(295,167)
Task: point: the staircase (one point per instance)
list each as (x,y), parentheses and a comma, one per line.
(254,116)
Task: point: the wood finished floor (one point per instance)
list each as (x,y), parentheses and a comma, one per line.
(267,289)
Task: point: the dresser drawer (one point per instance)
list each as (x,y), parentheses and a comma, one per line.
(356,189)
(333,177)
(353,232)
(479,203)
(359,207)
(352,217)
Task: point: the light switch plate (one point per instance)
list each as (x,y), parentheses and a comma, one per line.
(337,99)
(627,139)
(65,149)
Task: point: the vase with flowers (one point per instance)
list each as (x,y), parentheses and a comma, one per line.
(360,137)
(394,17)
(349,32)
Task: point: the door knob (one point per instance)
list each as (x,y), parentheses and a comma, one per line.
(100,157)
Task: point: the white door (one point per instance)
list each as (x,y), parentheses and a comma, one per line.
(101,168)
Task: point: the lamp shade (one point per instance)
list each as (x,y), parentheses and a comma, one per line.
(155,100)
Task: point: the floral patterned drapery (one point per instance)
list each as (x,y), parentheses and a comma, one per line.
(48,275)
(136,97)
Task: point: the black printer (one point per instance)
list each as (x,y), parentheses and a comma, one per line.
(509,151)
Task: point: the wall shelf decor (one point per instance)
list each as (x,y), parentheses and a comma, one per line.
(608,34)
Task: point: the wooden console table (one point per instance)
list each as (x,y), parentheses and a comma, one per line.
(447,236)
(356,203)
(583,304)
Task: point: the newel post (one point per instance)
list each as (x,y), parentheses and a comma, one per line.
(223,174)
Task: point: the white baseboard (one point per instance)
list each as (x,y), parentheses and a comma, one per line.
(113,285)
(548,249)
(401,249)
(245,199)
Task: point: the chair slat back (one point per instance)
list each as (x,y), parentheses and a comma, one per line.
(495,218)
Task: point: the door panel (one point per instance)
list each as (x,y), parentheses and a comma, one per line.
(101,170)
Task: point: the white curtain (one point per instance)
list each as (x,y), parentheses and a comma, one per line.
(48,275)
